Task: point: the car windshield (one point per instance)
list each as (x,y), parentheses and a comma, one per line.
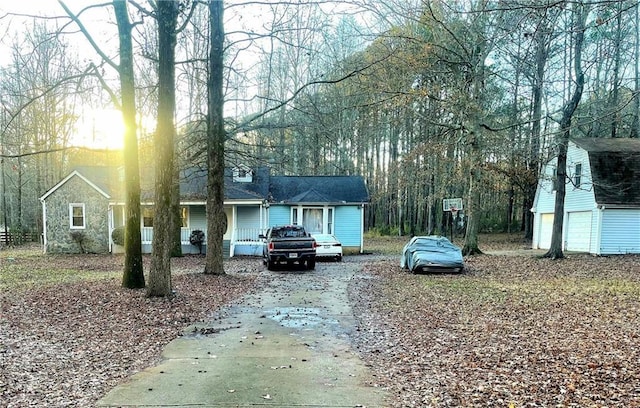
(434,244)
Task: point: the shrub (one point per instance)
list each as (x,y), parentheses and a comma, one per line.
(117,235)
(197,239)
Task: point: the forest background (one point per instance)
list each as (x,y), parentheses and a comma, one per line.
(426,100)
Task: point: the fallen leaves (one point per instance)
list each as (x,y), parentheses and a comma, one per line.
(67,344)
(514,331)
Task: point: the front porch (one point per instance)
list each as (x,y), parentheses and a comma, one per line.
(240,241)
(246,220)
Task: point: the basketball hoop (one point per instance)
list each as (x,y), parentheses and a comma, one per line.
(454,211)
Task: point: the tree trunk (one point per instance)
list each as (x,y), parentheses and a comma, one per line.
(473,207)
(164,218)
(533,163)
(615,99)
(635,126)
(133,276)
(216,219)
(176,221)
(555,250)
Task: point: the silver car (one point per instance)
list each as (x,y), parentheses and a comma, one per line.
(432,253)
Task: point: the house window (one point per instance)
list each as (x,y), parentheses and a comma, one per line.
(147,217)
(578,175)
(184,217)
(77,216)
(312,219)
(242,174)
(315,220)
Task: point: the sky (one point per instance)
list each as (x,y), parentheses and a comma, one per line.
(239,17)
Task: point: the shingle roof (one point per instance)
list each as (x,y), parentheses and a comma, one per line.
(193,185)
(288,189)
(318,189)
(106,178)
(615,169)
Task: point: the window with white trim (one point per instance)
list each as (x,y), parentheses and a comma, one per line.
(77,218)
(315,220)
(147,217)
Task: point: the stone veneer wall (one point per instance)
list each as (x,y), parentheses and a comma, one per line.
(96,231)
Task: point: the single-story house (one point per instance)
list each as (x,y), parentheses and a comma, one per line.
(88,204)
(602,201)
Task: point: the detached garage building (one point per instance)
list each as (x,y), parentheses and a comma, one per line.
(602,201)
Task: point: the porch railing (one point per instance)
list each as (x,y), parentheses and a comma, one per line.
(248,234)
(241,235)
(185,234)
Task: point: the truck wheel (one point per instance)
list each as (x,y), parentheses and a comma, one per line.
(311,264)
(269,265)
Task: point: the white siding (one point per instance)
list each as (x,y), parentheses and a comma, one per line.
(581,235)
(620,231)
(545,194)
(580,198)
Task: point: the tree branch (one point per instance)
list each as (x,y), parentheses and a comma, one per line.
(88,36)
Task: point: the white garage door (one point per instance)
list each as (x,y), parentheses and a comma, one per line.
(546,227)
(579,231)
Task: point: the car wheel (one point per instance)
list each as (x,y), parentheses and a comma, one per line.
(311,264)
(339,258)
(269,265)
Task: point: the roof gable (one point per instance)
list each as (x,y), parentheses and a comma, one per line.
(96,177)
(615,169)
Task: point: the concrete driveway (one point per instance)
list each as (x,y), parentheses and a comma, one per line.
(286,345)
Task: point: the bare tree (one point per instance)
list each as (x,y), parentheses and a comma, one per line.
(580,12)
(216,219)
(133,275)
(163,221)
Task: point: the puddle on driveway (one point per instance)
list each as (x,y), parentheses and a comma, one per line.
(298,317)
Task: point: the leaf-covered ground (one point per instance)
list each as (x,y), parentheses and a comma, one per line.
(69,332)
(513,331)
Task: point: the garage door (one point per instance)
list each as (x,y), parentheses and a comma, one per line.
(578,231)
(546,227)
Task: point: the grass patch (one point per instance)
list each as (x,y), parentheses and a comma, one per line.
(392,245)
(16,277)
